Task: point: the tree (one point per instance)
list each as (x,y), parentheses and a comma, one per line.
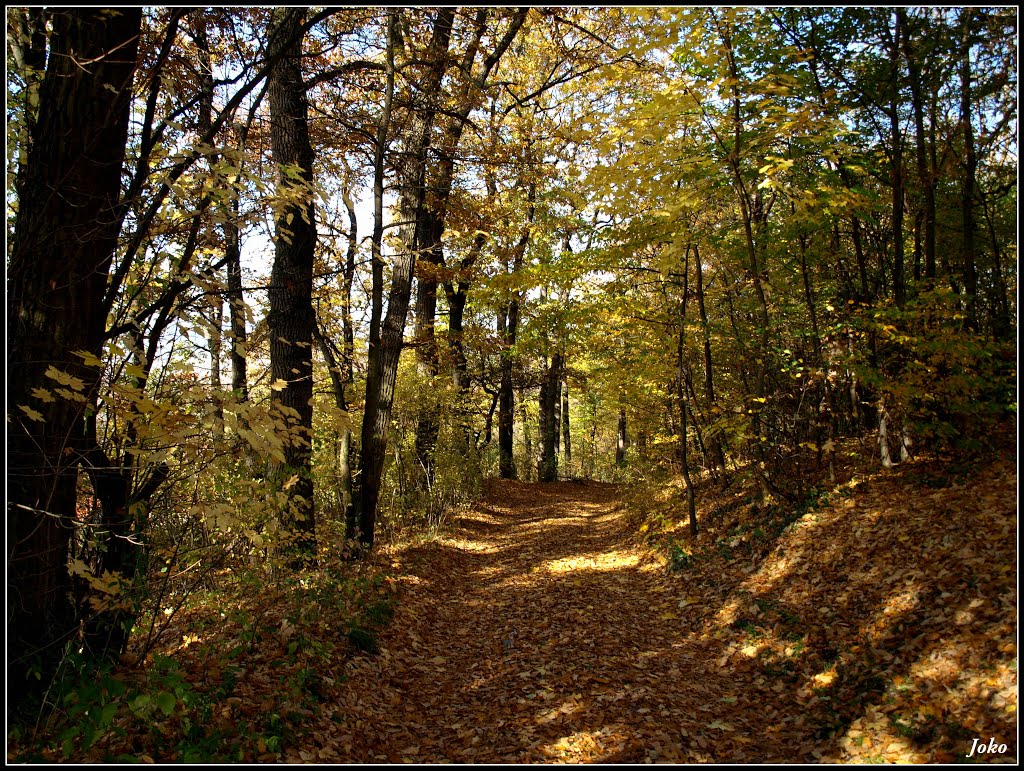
(383,358)
(64,239)
(291,322)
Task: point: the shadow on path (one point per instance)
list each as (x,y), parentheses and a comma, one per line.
(536,630)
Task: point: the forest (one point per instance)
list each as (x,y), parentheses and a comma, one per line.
(511,384)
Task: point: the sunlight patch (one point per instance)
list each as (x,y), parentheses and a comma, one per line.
(614,560)
(482,547)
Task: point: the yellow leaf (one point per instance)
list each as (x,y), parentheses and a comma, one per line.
(279,385)
(32,414)
(90,360)
(64,378)
(43,394)
(71,395)
(824,679)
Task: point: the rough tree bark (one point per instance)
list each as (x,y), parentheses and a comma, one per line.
(290,320)
(64,238)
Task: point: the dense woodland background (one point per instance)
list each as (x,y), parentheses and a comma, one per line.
(284,282)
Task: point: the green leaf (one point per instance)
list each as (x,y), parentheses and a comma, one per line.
(166,702)
(107,715)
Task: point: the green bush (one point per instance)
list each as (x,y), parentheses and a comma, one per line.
(949,384)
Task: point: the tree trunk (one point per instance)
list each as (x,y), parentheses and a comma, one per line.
(432,218)
(714,442)
(622,439)
(547,466)
(215,300)
(353,512)
(566,439)
(236,299)
(430,230)
(123,531)
(557,416)
(683,410)
(343,438)
(290,320)
(65,233)
(506,398)
(527,439)
(924,173)
(896,137)
(383,363)
(970,171)
(883,436)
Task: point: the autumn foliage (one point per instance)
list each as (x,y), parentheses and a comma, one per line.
(725,297)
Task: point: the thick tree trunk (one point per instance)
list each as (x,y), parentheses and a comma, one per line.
(290,321)
(432,225)
(430,229)
(64,237)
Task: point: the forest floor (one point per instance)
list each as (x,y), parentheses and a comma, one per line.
(548,623)
(879,628)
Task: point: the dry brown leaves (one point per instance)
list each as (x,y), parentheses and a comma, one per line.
(880,628)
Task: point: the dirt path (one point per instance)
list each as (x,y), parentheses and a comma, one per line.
(535,632)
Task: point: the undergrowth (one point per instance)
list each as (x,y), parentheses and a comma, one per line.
(237,678)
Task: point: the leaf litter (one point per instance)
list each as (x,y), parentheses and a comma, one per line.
(878,628)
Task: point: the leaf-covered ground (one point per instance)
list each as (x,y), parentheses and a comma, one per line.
(879,626)
(875,623)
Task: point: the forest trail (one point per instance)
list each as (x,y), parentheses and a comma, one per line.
(536,631)
(879,626)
